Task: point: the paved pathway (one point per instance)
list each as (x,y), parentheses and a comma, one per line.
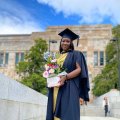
(97,118)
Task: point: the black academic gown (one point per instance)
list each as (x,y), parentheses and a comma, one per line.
(67,104)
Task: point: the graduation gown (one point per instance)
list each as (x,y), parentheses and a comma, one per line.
(67,103)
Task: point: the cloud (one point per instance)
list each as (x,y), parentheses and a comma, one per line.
(14,19)
(89,11)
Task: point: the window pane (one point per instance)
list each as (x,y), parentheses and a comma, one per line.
(101,58)
(85,55)
(17,58)
(22,57)
(1,58)
(6,58)
(95,58)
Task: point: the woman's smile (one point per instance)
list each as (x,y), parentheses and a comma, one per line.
(65,44)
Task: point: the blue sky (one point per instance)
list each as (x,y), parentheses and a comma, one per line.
(26,16)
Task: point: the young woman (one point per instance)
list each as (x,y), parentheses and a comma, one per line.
(63,100)
(106,105)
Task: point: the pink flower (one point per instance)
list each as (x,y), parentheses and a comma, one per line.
(46,74)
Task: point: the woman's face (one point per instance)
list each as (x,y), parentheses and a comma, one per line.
(65,44)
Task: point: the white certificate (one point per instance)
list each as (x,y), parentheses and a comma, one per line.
(54,81)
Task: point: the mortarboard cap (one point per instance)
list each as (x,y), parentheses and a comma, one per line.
(67,33)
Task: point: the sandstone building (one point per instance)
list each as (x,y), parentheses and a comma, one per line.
(93,40)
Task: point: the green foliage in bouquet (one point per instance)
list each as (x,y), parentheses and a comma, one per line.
(51,67)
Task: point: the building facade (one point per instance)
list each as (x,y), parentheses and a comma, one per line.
(93,41)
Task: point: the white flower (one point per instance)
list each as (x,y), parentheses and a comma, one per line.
(46,67)
(51,71)
(54,60)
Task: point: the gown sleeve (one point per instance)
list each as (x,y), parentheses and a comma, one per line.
(83,77)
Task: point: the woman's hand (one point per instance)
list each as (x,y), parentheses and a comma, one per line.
(81,101)
(62,80)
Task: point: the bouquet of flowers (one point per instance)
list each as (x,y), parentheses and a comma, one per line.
(52,72)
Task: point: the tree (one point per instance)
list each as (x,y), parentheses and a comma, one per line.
(31,69)
(108,79)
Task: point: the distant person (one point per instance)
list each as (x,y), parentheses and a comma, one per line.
(106,105)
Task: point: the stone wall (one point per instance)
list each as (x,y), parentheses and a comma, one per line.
(13,44)
(115,110)
(92,38)
(18,102)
